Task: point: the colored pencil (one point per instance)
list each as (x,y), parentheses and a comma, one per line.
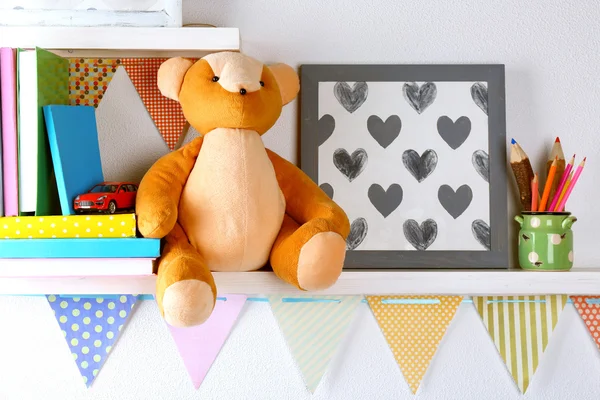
(548,185)
(555,153)
(521,167)
(563,191)
(572,184)
(535,193)
(563,180)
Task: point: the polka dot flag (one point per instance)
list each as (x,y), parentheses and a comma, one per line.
(413,327)
(166,113)
(588,308)
(91,327)
(89,79)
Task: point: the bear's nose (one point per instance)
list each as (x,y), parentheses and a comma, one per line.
(242,91)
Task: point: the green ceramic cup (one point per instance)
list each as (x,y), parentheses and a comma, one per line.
(546,241)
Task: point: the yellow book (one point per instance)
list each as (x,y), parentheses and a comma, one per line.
(68,226)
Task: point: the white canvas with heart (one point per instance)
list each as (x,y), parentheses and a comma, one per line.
(408,163)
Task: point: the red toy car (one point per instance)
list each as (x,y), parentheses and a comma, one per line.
(107,197)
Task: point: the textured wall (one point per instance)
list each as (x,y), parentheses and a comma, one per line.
(550,52)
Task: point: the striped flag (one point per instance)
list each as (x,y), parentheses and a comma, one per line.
(520,327)
(313,327)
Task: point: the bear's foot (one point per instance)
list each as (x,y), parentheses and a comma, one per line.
(311,256)
(188,303)
(321,261)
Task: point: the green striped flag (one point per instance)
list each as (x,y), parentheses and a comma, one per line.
(520,327)
(313,327)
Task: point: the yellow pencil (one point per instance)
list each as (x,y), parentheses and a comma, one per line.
(549,181)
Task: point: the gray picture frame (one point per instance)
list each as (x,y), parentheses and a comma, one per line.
(494,74)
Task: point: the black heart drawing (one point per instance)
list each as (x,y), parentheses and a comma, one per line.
(421,237)
(420,167)
(481,162)
(419,98)
(384,132)
(454,133)
(385,201)
(358,232)
(479,93)
(350,165)
(481,231)
(325,128)
(351,98)
(328,189)
(455,202)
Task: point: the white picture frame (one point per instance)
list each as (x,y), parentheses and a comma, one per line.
(88,13)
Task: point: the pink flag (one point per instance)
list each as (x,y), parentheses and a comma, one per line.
(200,345)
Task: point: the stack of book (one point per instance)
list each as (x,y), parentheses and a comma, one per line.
(50,156)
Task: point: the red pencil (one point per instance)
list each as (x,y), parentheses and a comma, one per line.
(534,193)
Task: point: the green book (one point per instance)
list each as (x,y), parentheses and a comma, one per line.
(43,79)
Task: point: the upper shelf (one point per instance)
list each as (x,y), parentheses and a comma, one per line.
(116,40)
(582,281)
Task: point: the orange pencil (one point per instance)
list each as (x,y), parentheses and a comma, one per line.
(548,185)
(534,193)
(564,190)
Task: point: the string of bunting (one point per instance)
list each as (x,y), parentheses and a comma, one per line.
(313,327)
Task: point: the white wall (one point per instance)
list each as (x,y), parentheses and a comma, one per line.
(550,51)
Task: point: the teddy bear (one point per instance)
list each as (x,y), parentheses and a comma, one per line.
(224,202)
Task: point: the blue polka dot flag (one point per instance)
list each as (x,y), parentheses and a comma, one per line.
(91,327)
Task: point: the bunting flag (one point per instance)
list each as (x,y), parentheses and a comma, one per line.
(520,327)
(89,78)
(166,113)
(313,327)
(590,314)
(200,345)
(91,327)
(413,327)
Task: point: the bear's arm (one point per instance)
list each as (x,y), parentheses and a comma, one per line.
(158,196)
(304,198)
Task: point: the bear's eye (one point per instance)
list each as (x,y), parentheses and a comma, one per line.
(215,79)
(262,83)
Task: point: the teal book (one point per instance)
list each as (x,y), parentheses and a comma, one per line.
(73,139)
(80,248)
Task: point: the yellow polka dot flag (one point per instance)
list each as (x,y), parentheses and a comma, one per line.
(520,327)
(313,327)
(91,327)
(413,327)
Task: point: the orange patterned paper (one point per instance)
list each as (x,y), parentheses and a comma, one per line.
(89,79)
(590,314)
(414,331)
(165,113)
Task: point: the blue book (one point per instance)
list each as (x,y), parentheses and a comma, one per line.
(73,139)
(80,248)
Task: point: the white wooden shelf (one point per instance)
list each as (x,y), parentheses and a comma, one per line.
(584,281)
(104,41)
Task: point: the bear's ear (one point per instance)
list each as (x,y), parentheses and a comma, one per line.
(287,80)
(170,76)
